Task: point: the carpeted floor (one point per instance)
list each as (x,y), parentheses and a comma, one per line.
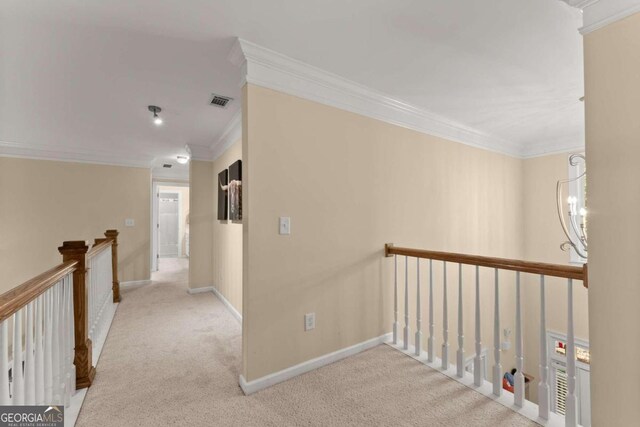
(173,359)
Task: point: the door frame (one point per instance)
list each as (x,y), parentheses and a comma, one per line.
(155,198)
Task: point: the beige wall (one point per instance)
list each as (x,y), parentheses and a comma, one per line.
(184,213)
(542,238)
(227,239)
(612,83)
(200,223)
(43,203)
(350,184)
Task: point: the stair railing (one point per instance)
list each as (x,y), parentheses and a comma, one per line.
(543,270)
(45,342)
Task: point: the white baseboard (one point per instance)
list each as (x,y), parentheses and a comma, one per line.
(304,367)
(200,290)
(218,295)
(71,413)
(133,283)
(226,302)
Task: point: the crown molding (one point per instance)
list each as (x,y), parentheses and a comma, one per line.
(579,4)
(44,152)
(199,152)
(550,150)
(231,133)
(266,68)
(597,14)
(553,146)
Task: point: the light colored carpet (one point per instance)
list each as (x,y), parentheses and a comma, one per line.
(173,359)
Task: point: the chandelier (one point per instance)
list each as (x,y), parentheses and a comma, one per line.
(576,231)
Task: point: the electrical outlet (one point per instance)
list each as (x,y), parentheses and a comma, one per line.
(129,222)
(309,321)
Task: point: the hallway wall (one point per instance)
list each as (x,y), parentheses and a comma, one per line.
(200,223)
(43,203)
(227,239)
(612,83)
(350,184)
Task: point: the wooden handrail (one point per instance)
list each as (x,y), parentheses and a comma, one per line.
(18,297)
(99,246)
(554,270)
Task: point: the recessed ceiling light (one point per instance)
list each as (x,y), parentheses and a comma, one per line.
(182,160)
(156,118)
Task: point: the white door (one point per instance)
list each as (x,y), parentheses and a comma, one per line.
(168,217)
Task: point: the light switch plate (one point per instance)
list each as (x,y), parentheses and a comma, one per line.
(129,222)
(309,321)
(285,225)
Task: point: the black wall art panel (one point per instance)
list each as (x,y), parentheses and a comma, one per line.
(235,191)
(223,184)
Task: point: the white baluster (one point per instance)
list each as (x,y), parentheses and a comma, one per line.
(571,405)
(543,385)
(72,337)
(478,376)
(65,343)
(497,367)
(61,340)
(5,398)
(445,319)
(430,348)
(395,299)
(48,348)
(460,352)
(406,303)
(18,378)
(55,331)
(30,362)
(518,396)
(418,311)
(99,297)
(39,354)
(92,298)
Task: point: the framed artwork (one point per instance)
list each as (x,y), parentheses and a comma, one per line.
(223,184)
(235,191)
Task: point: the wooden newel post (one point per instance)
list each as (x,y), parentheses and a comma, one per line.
(85,372)
(113,234)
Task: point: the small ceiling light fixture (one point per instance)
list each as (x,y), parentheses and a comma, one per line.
(183,160)
(156,118)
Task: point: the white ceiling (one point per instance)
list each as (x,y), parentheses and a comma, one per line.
(77,76)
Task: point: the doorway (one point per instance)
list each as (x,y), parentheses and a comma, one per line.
(170,224)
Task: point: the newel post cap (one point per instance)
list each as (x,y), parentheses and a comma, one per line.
(387,248)
(112,233)
(74,247)
(75,250)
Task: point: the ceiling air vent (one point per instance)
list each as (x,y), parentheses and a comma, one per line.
(167,165)
(220,101)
